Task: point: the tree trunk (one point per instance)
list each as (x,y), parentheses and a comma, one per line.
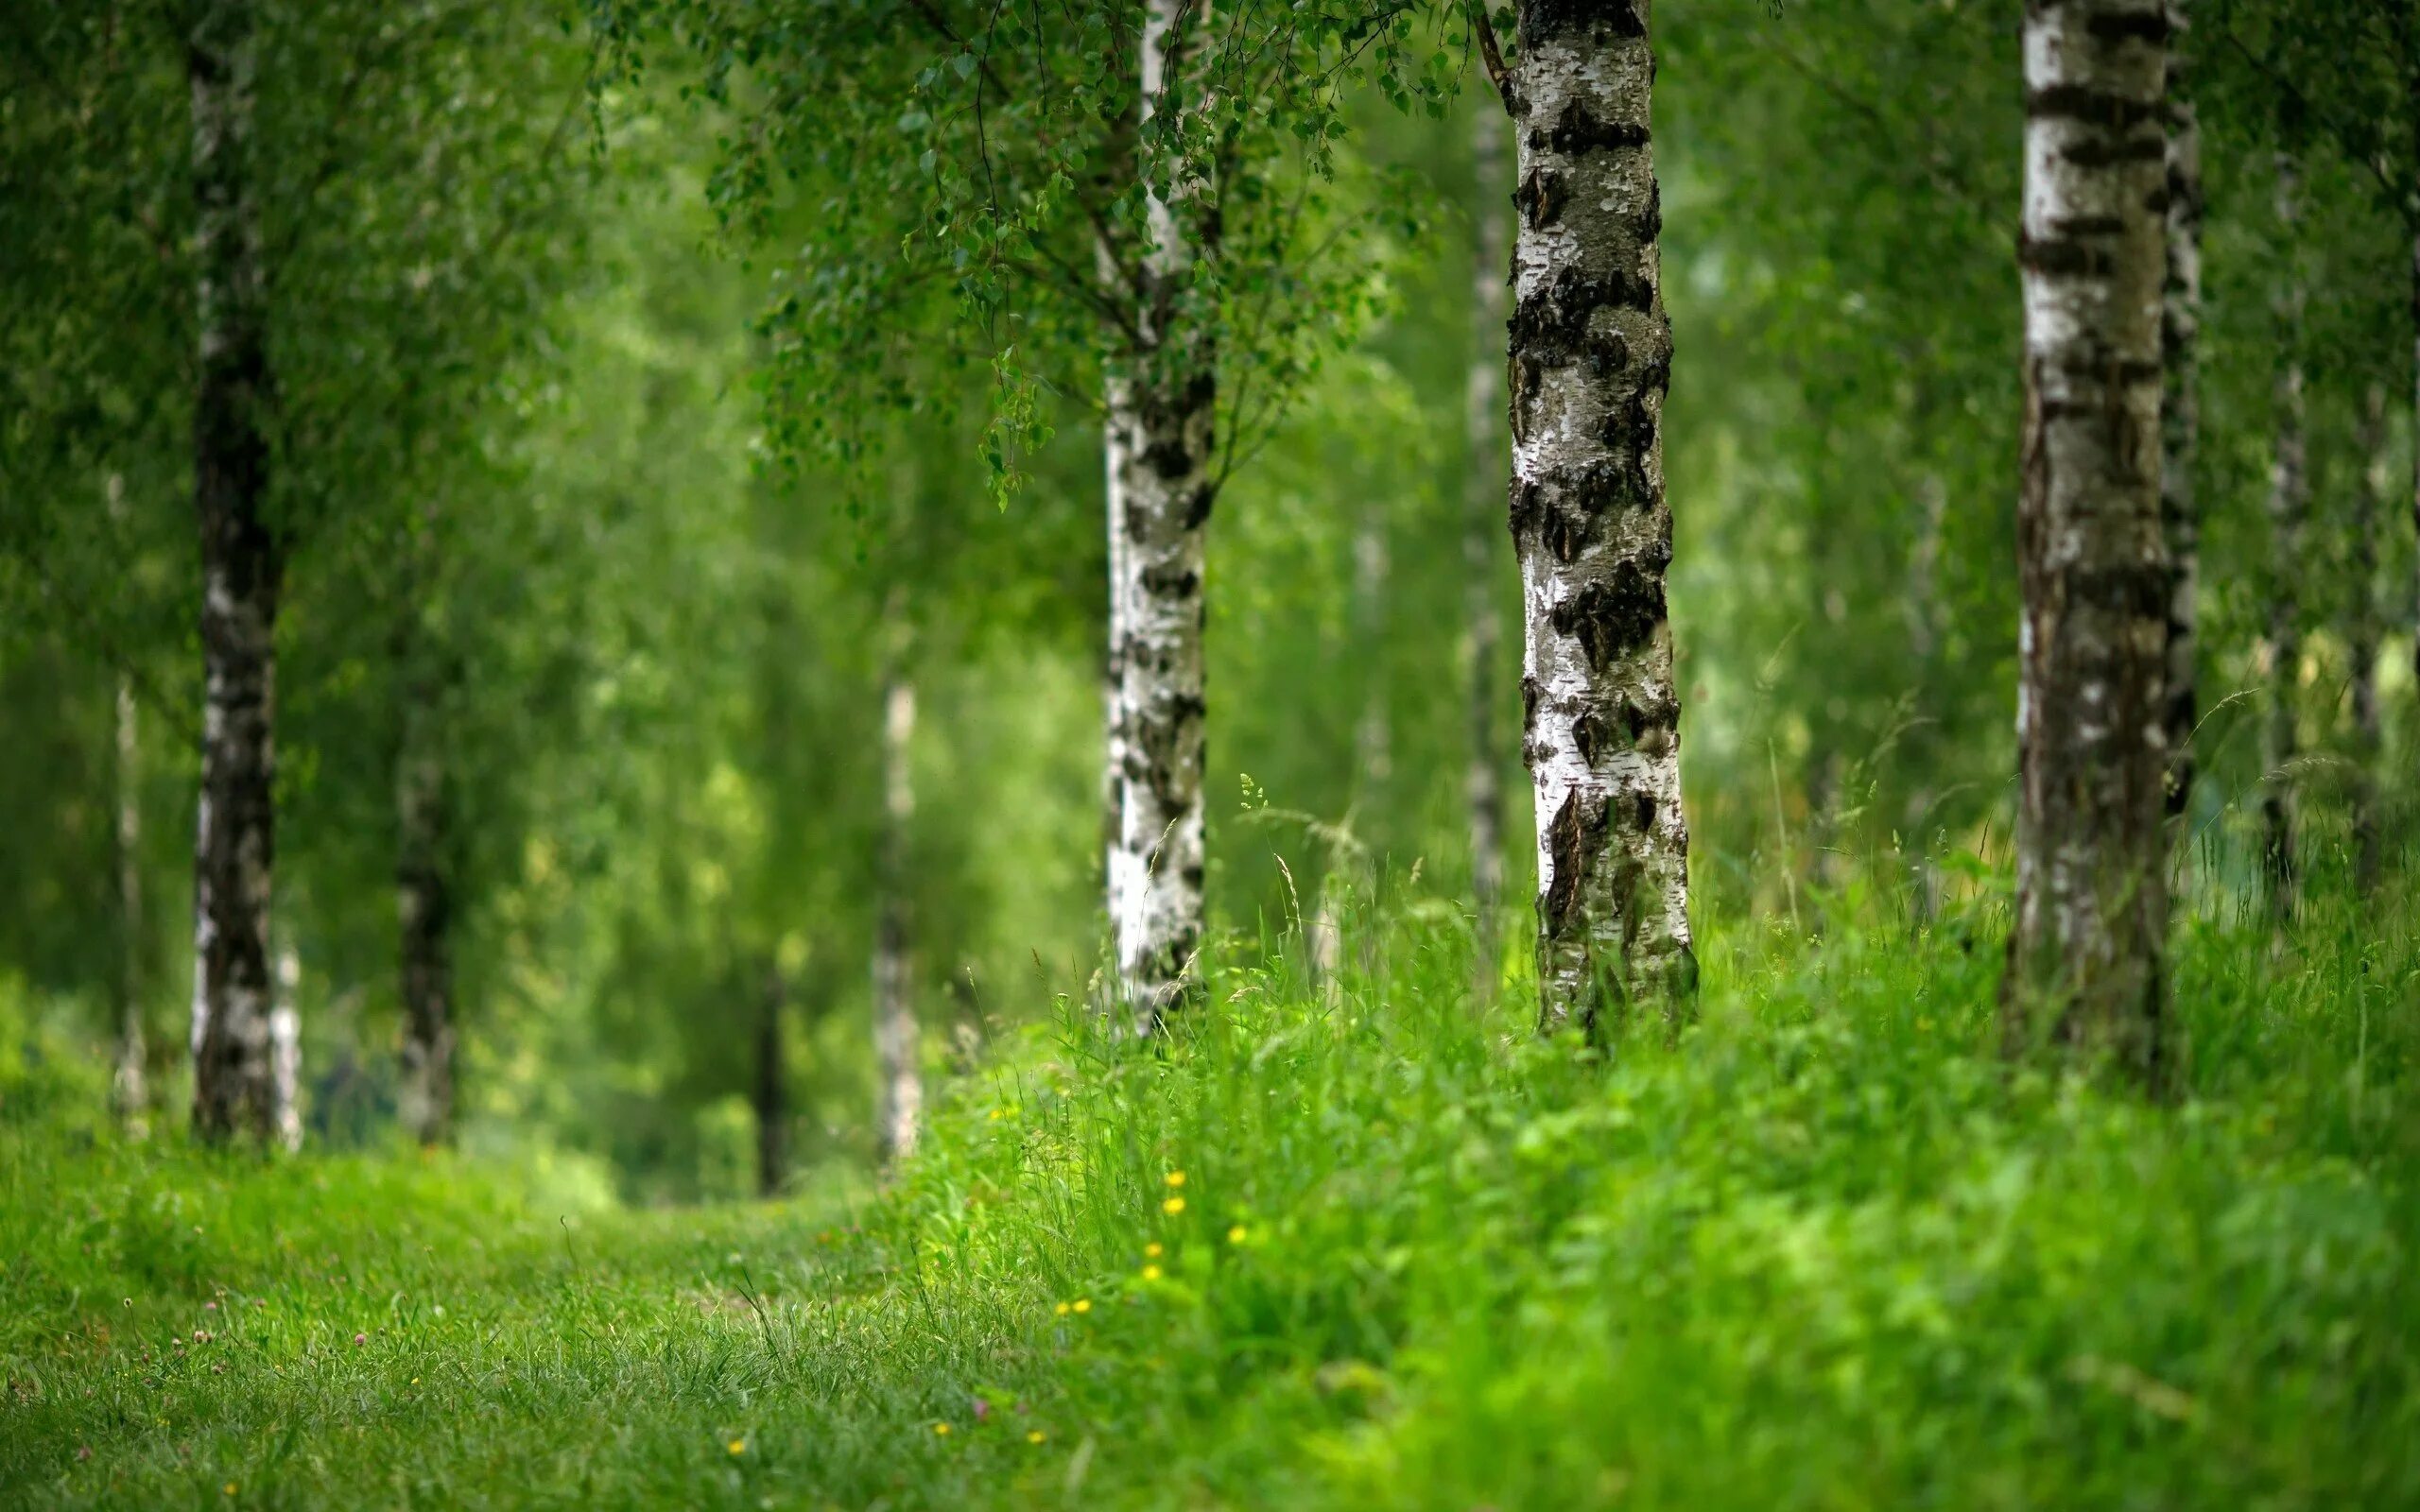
(285,1051)
(1161,418)
(2362,638)
(771,1095)
(243,564)
(2085,953)
(2288,504)
(424,926)
(900,1098)
(128,1092)
(2180,410)
(1924,639)
(1590,359)
(1483,449)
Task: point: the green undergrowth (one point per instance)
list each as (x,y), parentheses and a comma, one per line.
(1357,1244)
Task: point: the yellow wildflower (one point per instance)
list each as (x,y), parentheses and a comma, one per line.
(1173,1206)
(1083,1304)
(1060,1309)
(1237,1234)
(1153,1249)
(737,1446)
(942,1429)
(1176,1178)
(1151,1273)
(1036,1437)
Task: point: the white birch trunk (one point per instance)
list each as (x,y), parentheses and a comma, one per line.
(242,567)
(2091,910)
(2288,504)
(900,1096)
(1590,359)
(2361,637)
(2180,410)
(285,1051)
(130,1091)
(1160,444)
(1483,423)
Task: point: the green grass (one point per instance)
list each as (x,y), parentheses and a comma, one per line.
(1824,1250)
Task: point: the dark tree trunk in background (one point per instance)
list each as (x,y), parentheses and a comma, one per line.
(243,564)
(2085,955)
(1482,616)
(1160,435)
(2288,506)
(424,907)
(1590,359)
(900,1097)
(2180,409)
(2363,632)
(770,1095)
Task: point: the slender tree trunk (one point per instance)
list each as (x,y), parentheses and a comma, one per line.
(1373,743)
(771,1094)
(243,565)
(1483,451)
(900,1098)
(128,1091)
(424,925)
(2288,506)
(1591,354)
(1162,414)
(2085,954)
(2180,409)
(285,1051)
(1923,638)
(2362,636)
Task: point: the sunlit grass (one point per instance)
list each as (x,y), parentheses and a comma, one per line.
(1358,1244)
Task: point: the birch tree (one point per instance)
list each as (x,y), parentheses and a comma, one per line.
(899,1094)
(243,569)
(2362,631)
(1127,200)
(2289,505)
(1483,464)
(1590,357)
(2091,910)
(2180,407)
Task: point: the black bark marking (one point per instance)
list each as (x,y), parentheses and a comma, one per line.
(1580,129)
(2135,25)
(1550,325)
(1170,582)
(1197,506)
(1530,693)
(1611,619)
(1593,734)
(1541,197)
(1543,19)
(2092,107)
(1642,811)
(2147,149)
(1577,834)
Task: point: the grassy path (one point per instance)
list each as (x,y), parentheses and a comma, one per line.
(1367,1250)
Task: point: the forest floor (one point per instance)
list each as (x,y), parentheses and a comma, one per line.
(1366,1247)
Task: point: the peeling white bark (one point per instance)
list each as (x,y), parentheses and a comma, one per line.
(2085,954)
(1590,359)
